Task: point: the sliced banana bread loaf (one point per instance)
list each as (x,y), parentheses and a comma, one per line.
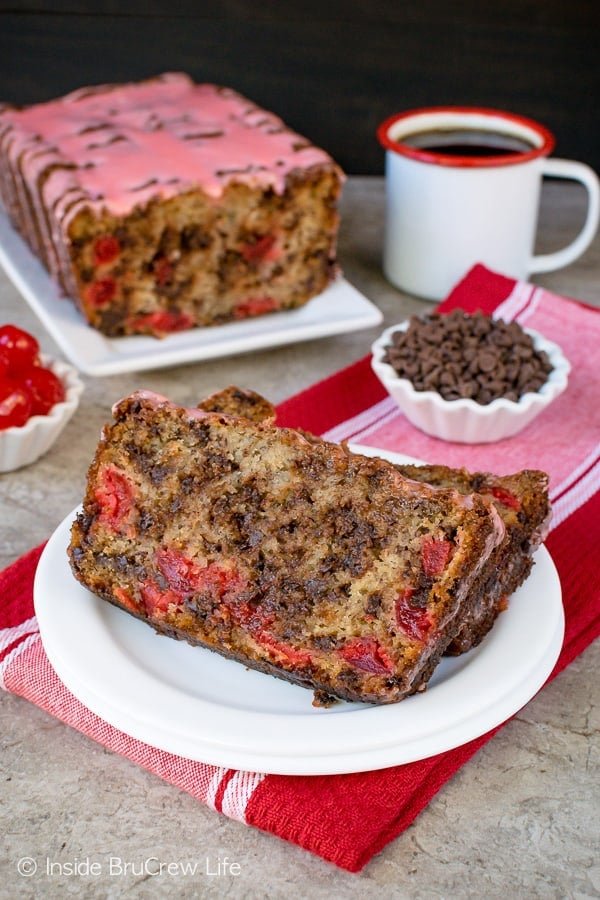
(291,556)
(163,205)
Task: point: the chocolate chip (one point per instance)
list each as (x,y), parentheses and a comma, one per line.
(467,389)
(460,355)
(487,361)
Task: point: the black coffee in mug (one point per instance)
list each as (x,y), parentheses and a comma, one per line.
(463,187)
(467,142)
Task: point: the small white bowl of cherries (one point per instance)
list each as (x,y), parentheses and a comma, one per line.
(38,396)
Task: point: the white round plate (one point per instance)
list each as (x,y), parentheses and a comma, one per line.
(194,703)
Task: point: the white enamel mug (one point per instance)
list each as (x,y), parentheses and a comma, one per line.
(450,205)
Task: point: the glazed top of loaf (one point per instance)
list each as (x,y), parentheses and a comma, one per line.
(116,147)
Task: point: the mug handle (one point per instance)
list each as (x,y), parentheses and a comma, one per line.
(576,171)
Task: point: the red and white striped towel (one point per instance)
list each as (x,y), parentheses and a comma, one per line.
(346,819)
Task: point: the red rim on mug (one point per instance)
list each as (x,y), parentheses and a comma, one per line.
(393,132)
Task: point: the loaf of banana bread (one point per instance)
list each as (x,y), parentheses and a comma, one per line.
(292,556)
(163,205)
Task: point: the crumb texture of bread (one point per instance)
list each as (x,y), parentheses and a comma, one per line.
(295,557)
(164,205)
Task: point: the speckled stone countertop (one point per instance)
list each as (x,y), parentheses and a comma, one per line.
(520,820)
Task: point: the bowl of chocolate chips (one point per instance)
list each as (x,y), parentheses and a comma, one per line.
(469,378)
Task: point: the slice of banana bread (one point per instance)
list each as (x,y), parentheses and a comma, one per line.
(521,499)
(292,556)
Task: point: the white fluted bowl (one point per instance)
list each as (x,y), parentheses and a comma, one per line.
(23,445)
(465,421)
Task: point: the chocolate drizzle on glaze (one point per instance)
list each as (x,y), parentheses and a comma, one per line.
(113,140)
(91,128)
(146,184)
(200,136)
(247,170)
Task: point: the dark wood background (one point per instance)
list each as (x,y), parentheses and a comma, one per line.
(332,70)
